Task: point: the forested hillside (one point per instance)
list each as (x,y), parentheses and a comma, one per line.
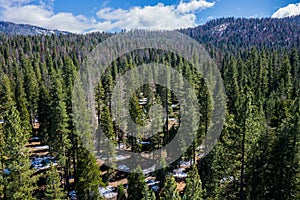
(9,28)
(242,33)
(256,157)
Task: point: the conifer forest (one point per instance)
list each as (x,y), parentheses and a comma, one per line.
(257,157)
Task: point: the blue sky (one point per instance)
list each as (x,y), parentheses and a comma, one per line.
(112,15)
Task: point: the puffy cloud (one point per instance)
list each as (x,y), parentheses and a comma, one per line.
(8,3)
(289,10)
(155,17)
(41,16)
(194,5)
(159,16)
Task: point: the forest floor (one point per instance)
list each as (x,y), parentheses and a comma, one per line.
(38,150)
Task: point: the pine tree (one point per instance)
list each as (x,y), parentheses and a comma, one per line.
(44,113)
(283,157)
(136,182)
(285,78)
(59,124)
(219,180)
(121,193)
(54,191)
(87,175)
(193,188)
(244,109)
(170,192)
(6,98)
(109,144)
(295,70)
(31,88)
(99,98)
(17,181)
(231,81)
(261,79)
(21,103)
(59,120)
(251,67)
(295,188)
(149,194)
(161,172)
(257,149)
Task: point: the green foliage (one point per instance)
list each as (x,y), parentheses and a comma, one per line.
(149,195)
(161,172)
(17,177)
(44,113)
(170,192)
(137,188)
(21,103)
(59,130)
(193,188)
(54,191)
(109,145)
(31,87)
(121,193)
(87,177)
(257,156)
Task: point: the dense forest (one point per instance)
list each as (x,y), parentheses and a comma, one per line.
(256,157)
(241,33)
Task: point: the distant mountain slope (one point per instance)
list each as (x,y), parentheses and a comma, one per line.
(241,32)
(25,29)
(228,33)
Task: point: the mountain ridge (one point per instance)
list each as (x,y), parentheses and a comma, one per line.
(222,32)
(10,28)
(245,32)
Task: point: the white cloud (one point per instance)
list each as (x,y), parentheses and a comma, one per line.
(194,5)
(8,3)
(159,16)
(289,10)
(40,16)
